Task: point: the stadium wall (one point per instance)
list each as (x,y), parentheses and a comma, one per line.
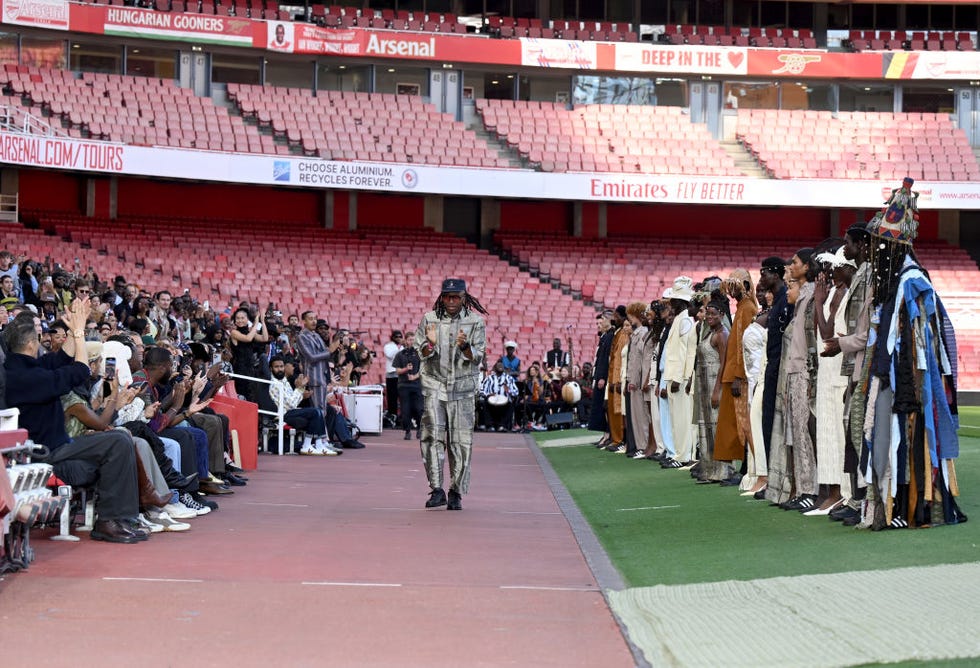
(55,191)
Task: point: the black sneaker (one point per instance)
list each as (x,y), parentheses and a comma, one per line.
(408,436)
(203,500)
(455,500)
(436,498)
(353,444)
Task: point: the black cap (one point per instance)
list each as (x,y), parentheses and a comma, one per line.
(775,265)
(321,323)
(454,285)
(621,310)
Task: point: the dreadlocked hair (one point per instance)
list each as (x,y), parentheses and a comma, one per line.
(887,259)
(470,303)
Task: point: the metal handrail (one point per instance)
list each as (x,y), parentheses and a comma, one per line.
(279,413)
(9,207)
(17,119)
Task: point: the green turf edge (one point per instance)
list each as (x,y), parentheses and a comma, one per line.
(938,663)
(716,535)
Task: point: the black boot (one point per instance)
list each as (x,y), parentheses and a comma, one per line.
(455,500)
(436,498)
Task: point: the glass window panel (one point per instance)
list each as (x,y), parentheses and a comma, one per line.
(886,16)
(547,89)
(866,97)
(40,52)
(523,8)
(681,11)
(751,95)
(613,90)
(821,97)
(653,12)
(941,17)
(917,17)
(570,9)
(967,17)
(862,16)
(343,77)
(800,14)
(88,57)
(291,73)
(394,79)
(930,99)
(773,14)
(499,85)
(411,5)
(232,69)
(494,7)
(438,6)
(591,10)
(711,12)
(149,62)
(8,48)
(670,93)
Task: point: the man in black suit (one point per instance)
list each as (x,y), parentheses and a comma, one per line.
(600,374)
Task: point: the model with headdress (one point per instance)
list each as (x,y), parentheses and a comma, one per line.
(910,439)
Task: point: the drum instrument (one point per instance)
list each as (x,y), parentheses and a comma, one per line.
(571,393)
(498,400)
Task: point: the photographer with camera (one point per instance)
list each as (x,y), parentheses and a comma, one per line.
(407,365)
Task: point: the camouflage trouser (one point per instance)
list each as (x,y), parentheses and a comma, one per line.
(447,428)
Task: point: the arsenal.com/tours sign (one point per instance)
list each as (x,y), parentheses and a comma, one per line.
(172,163)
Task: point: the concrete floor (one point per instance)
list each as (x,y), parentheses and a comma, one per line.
(330,561)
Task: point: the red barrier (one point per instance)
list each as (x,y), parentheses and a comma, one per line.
(243,417)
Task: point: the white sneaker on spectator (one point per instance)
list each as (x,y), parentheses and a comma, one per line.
(326,448)
(144,523)
(326,451)
(166,521)
(179,511)
(189,501)
(310,449)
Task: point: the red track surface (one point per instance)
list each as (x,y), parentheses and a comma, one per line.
(329,562)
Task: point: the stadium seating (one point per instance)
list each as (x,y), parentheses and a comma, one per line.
(605,138)
(383,279)
(898,40)
(134,110)
(792,144)
(738,36)
(377,127)
(622,269)
(270,120)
